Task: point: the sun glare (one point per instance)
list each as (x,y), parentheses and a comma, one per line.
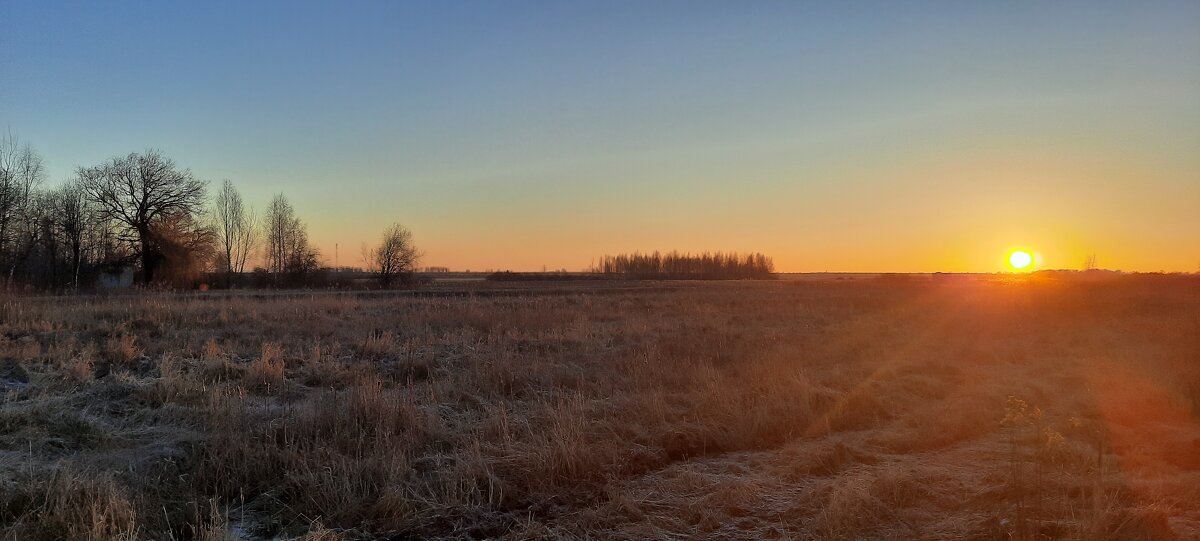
(1020,259)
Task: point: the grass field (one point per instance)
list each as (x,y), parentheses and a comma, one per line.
(783,410)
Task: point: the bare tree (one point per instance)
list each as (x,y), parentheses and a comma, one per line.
(395,257)
(278,224)
(74,222)
(34,233)
(287,249)
(137,191)
(228,215)
(234,229)
(244,243)
(21,170)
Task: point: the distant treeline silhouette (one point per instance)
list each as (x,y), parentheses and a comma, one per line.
(702,266)
(557,276)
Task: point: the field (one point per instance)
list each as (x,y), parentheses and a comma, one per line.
(777,410)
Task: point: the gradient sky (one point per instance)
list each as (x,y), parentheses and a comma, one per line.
(842,136)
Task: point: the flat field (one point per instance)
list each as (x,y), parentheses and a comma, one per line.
(782,410)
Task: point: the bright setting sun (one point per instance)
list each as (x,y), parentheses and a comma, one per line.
(1020,259)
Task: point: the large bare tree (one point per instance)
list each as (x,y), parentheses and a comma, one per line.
(139,190)
(396,256)
(234,228)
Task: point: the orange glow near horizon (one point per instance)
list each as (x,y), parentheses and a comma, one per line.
(930,213)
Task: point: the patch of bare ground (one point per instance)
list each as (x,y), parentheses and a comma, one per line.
(727,411)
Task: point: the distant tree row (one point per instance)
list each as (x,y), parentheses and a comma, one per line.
(674,265)
(143,213)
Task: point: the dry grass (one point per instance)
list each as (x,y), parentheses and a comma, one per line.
(734,410)
(266,372)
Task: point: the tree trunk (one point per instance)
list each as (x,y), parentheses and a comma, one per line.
(75,258)
(149,262)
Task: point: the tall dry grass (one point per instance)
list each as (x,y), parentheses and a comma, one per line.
(773,410)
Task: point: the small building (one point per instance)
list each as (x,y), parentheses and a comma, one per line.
(115,277)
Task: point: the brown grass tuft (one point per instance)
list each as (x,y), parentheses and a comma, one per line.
(266,373)
(379,344)
(123,348)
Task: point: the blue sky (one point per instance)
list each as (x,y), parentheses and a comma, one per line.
(865,136)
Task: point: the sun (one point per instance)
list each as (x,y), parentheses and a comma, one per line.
(1020,259)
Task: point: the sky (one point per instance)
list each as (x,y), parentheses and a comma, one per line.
(840,136)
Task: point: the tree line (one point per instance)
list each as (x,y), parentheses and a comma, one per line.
(675,265)
(143,212)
